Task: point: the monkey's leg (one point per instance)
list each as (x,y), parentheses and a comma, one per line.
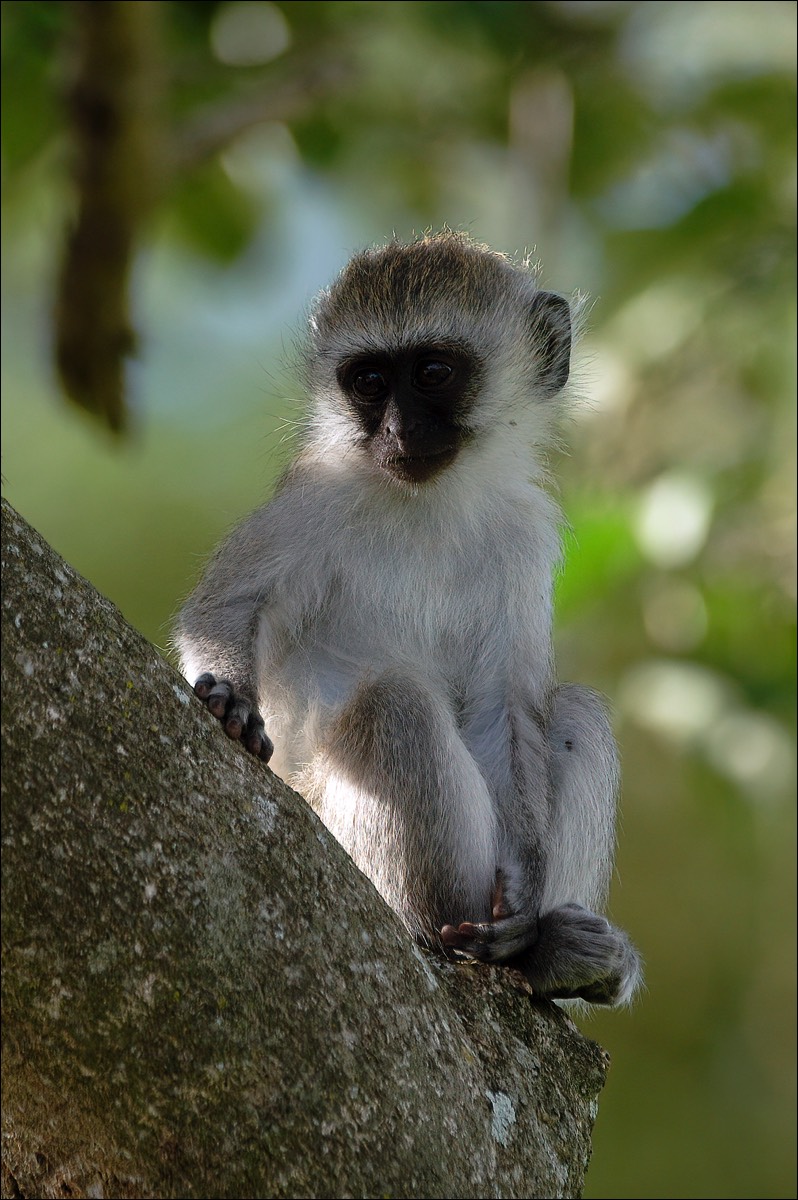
(396,785)
(579,954)
(571,952)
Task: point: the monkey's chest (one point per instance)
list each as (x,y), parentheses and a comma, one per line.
(459,632)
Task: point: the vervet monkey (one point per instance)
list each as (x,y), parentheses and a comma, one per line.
(387,617)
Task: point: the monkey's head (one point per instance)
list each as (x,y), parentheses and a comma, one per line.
(420,350)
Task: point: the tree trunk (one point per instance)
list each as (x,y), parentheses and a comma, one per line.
(203,996)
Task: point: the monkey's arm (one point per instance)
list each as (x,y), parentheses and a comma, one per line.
(217,628)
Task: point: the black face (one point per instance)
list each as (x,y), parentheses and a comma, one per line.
(413,406)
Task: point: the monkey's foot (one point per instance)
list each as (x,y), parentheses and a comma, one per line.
(508,934)
(492,941)
(240,720)
(569,953)
(580,956)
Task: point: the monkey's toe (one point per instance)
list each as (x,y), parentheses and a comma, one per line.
(491,941)
(459,938)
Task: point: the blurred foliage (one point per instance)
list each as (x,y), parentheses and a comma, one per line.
(647,151)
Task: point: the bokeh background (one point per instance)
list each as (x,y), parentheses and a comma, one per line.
(645,153)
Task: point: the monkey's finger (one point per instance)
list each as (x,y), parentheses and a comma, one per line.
(256,739)
(202,687)
(236,717)
(219,698)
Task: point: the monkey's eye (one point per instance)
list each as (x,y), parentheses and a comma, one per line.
(431,373)
(369,384)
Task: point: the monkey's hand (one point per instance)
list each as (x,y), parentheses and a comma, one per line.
(508,934)
(240,719)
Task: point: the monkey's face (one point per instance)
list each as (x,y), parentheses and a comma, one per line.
(412,405)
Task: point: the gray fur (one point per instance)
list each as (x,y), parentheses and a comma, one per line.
(391,622)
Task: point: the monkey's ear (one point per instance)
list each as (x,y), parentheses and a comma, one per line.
(550,327)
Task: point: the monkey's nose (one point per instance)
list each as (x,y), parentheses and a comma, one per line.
(403,431)
(399,436)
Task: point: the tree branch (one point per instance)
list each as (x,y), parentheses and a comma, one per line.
(280,98)
(112,106)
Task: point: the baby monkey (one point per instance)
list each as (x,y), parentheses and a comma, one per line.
(387,617)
